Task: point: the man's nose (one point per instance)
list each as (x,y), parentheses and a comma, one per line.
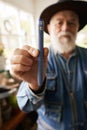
(65,27)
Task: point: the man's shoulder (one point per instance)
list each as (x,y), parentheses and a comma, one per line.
(81,50)
(82,54)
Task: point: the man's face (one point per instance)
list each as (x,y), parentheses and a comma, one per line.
(63,28)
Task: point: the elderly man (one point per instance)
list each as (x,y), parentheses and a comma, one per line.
(61,102)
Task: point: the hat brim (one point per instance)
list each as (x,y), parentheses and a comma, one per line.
(79,7)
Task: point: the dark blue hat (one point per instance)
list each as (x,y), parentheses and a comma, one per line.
(79,7)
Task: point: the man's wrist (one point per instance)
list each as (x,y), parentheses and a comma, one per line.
(41,88)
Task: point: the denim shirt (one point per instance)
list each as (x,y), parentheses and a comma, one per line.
(53,104)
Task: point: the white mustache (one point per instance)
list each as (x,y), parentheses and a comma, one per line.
(64,33)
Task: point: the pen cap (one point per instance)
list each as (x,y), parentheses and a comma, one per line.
(41,35)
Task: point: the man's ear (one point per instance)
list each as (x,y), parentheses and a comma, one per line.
(48,28)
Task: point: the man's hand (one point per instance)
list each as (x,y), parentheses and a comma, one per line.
(24,65)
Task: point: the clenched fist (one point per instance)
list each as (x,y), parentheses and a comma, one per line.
(24,65)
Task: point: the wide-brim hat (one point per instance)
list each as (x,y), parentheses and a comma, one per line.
(79,7)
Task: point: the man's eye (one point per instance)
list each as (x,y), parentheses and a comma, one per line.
(72,23)
(58,23)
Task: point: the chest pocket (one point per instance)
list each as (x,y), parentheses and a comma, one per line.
(53,88)
(51,81)
(52,99)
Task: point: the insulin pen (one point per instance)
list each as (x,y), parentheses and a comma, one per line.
(41,54)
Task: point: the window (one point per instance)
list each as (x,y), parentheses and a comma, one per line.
(16,28)
(82,38)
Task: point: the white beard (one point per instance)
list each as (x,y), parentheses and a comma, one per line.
(62,44)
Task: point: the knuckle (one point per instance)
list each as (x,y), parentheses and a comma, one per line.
(16,51)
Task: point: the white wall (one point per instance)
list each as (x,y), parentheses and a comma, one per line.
(32,6)
(27,5)
(41,4)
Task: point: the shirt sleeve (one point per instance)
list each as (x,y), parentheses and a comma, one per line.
(27,99)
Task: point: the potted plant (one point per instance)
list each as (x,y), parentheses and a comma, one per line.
(2,57)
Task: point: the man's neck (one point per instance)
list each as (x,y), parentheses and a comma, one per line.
(67,54)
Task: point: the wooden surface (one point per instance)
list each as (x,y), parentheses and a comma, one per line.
(14,121)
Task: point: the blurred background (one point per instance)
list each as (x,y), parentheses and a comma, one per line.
(19,26)
(19,22)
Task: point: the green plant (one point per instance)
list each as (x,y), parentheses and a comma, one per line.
(1,49)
